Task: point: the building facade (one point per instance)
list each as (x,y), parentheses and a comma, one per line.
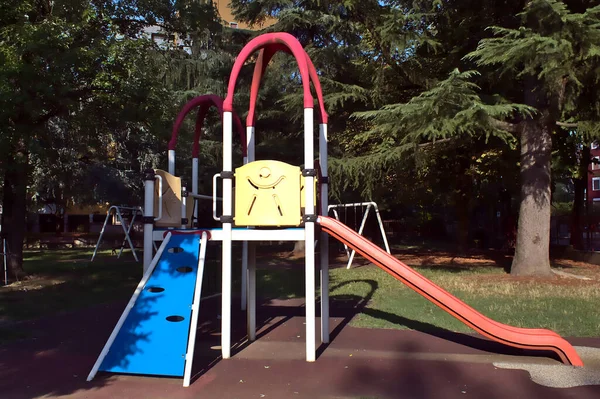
(593,180)
(230,21)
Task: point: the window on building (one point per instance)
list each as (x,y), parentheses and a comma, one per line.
(594,145)
(596,163)
(158,38)
(596,184)
(233,25)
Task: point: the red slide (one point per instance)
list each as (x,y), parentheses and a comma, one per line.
(525,338)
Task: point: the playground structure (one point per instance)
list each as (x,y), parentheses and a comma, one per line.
(274,201)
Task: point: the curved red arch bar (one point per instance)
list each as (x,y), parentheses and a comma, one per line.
(525,338)
(263,41)
(264,57)
(202,112)
(204,103)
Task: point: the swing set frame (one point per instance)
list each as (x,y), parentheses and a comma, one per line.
(116,210)
(369,205)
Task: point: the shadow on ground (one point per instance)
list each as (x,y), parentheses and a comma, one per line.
(59,352)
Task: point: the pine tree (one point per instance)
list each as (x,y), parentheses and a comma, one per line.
(553,54)
(536,69)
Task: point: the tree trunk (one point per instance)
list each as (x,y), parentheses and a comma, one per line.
(15,212)
(533,233)
(580,184)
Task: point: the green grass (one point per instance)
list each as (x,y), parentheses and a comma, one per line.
(63,280)
(12,333)
(66,280)
(568,310)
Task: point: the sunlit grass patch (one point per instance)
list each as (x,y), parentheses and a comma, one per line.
(569,309)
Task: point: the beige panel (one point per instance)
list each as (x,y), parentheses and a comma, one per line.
(171,201)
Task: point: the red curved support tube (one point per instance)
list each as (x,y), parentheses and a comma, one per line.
(260,42)
(204,103)
(264,57)
(202,112)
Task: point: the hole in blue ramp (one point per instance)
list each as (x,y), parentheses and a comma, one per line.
(155,289)
(175,250)
(175,319)
(184,269)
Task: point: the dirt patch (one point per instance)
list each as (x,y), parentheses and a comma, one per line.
(447,261)
(583,269)
(572,268)
(35,282)
(551,280)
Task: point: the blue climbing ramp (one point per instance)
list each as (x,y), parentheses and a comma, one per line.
(153,338)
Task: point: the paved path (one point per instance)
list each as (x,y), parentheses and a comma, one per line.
(358,363)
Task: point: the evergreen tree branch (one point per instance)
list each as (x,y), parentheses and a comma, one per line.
(567,124)
(503,125)
(432,143)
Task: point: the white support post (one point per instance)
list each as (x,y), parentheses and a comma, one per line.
(360,231)
(250,144)
(244,282)
(382,229)
(309,230)
(337,217)
(251,311)
(248,158)
(101,233)
(138,291)
(195,187)
(324,237)
(189,356)
(171,156)
(183,206)
(244,279)
(369,205)
(127,231)
(226,246)
(148,218)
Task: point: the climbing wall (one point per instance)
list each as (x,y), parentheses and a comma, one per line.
(153,338)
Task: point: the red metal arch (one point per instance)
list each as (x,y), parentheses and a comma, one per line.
(260,42)
(204,103)
(264,57)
